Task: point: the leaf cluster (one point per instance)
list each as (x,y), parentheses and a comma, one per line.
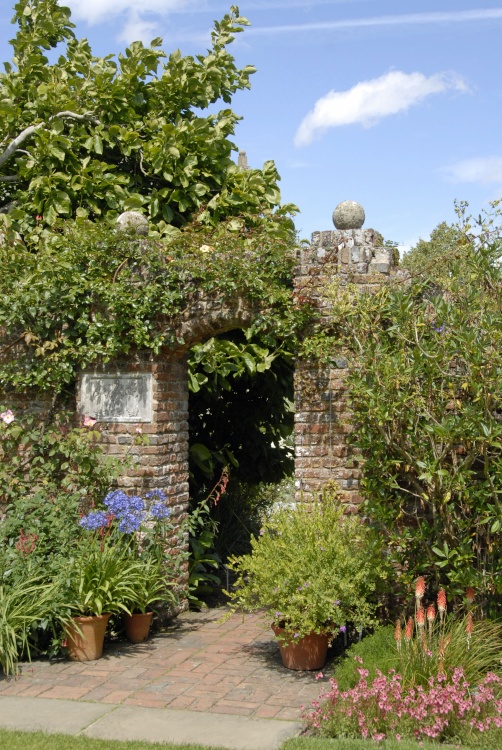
(312,568)
(90,137)
(91,293)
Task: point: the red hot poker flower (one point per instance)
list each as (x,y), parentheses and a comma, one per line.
(469,625)
(420,617)
(442,602)
(420,588)
(398,634)
(431,613)
(408,630)
(470,595)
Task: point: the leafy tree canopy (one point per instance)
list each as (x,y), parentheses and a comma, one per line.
(90,137)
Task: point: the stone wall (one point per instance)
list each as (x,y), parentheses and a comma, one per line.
(322,413)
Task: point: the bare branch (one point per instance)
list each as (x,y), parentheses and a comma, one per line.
(28,132)
(9,178)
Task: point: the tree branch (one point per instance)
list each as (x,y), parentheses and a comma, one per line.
(29,131)
(9,178)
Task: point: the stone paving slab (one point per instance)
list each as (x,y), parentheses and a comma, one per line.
(198,664)
(144,724)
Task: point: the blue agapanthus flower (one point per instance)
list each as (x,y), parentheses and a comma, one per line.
(159,511)
(121,504)
(94,520)
(159,494)
(130,522)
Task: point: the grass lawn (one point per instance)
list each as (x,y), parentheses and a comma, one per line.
(14,740)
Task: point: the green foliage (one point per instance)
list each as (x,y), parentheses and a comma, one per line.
(241,407)
(92,293)
(88,136)
(49,473)
(378,652)
(101,576)
(312,568)
(240,513)
(23,604)
(425,389)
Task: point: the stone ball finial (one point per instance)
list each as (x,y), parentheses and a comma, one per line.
(133,221)
(348,215)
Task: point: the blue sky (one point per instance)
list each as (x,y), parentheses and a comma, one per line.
(397,105)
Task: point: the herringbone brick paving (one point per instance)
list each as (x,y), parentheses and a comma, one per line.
(198,663)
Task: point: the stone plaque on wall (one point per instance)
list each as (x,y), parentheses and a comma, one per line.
(117,398)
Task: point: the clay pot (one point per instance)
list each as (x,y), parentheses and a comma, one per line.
(304,653)
(85,640)
(137,626)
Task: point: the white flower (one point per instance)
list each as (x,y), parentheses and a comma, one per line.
(206,248)
(7,416)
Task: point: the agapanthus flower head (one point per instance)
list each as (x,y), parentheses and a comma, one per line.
(442,602)
(130,522)
(420,616)
(96,519)
(121,504)
(408,631)
(159,495)
(470,595)
(160,511)
(420,588)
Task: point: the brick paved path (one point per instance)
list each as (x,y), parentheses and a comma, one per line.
(197,664)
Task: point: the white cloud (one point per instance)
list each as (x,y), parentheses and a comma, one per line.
(410,19)
(483,170)
(95,11)
(369,101)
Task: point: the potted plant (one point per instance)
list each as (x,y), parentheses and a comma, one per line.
(313,568)
(101,577)
(125,566)
(154,589)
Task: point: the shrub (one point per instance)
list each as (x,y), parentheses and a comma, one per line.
(426,395)
(378,652)
(312,567)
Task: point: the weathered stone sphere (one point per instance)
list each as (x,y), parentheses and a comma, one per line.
(133,221)
(348,215)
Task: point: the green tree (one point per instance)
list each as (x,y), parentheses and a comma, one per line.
(426,394)
(85,136)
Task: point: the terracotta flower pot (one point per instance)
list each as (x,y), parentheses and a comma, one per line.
(85,639)
(137,626)
(304,653)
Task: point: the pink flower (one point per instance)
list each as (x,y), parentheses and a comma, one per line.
(89,421)
(319,676)
(139,430)
(7,416)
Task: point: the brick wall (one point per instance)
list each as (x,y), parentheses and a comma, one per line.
(322,414)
